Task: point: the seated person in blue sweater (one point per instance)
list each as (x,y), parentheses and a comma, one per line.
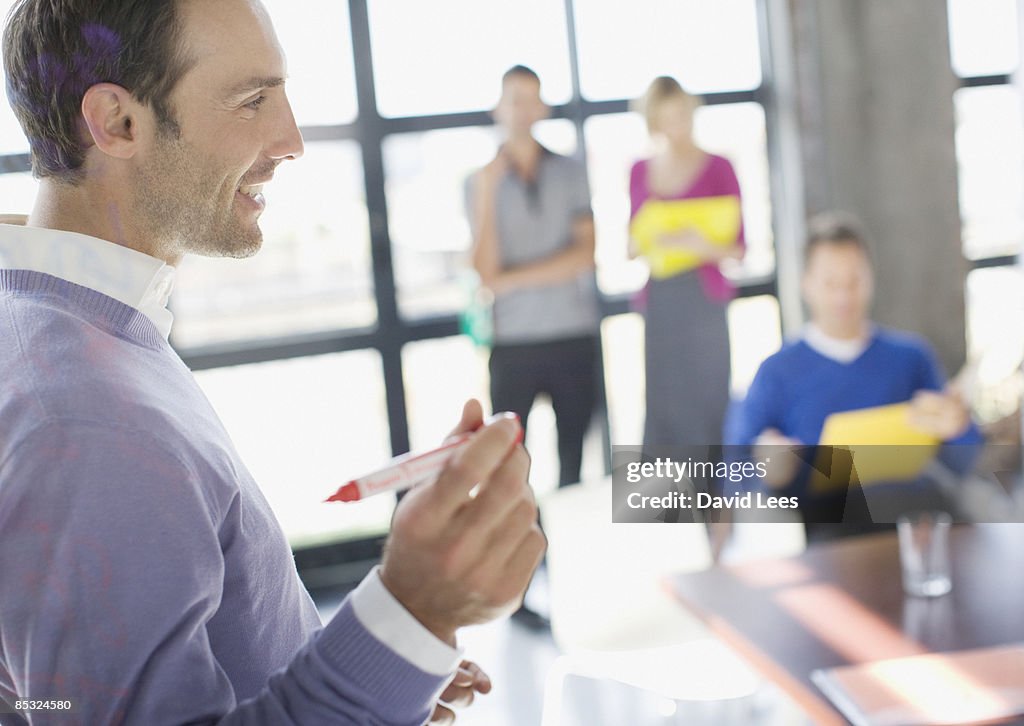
(841,362)
(143,576)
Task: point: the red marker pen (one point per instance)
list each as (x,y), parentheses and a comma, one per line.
(410,469)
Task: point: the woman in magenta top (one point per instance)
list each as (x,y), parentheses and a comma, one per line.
(687,336)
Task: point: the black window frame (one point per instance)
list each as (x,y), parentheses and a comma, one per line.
(344,560)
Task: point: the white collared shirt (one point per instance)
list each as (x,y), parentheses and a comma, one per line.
(837,349)
(145,283)
(129,276)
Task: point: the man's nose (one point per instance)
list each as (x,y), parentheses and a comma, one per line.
(287,142)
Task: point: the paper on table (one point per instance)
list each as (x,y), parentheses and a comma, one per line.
(884,445)
(972,686)
(716,218)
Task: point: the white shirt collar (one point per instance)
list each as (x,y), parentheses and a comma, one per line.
(127,275)
(837,349)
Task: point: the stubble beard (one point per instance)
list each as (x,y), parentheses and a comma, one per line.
(180,204)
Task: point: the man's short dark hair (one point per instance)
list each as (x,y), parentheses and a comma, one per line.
(519,70)
(55,50)
(836,228)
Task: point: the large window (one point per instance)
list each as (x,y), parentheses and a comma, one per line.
(17,192)
(427,173)
(313,272)
(990,156)
(995,338)
(984,50)
(445,57)
(983,37)
(12,139)
(989,137)
(317,39)
(440,374)
(303,427)
(337,345)
(708,46)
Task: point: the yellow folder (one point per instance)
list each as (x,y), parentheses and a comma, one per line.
(883,443)
(717,219)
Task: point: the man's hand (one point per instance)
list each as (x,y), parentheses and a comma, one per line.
(485,254)
(469,680)
(455,558)
(771,443)
(943,415)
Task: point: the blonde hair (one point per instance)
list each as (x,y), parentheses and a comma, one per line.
(661,89)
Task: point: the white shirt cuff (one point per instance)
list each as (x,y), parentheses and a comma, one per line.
(390,623)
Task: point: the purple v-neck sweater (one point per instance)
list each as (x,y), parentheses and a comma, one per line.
(143,575)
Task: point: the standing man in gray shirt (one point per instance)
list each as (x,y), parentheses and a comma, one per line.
(533,247)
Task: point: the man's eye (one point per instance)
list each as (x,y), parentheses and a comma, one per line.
(256,103)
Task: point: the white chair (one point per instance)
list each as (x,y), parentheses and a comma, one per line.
(611,614)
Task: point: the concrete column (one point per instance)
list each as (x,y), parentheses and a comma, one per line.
(874,94)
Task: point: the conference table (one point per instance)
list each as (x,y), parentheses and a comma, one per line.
(842,603)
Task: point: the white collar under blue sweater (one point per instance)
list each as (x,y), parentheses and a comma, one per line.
(127,275)
(837,349)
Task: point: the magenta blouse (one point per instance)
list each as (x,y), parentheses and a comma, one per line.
(716,179)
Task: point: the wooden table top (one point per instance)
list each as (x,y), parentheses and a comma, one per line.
(842,603)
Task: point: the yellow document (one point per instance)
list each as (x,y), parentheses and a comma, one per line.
(717,219)
(883,443)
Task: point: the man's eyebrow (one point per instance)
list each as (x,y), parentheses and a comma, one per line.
(253,84)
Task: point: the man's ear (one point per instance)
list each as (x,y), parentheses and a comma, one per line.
(112,120)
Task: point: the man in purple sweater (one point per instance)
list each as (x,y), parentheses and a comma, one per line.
(143,577)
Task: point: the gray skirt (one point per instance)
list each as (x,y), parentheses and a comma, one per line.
(687,367)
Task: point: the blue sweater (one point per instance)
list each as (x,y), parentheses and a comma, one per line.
(142,572)
(797,388)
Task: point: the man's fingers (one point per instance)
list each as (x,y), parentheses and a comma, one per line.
(498,495)
(494,509)
(516,550)
(458,696)
(500,567)
(469,679)
(463,677)
(944,414)
(530,553)
(481,681)
(442,716)
(928,407)
(485,453)
(510,535)
(928,401)
(774,437)
(472,418)
(526,556)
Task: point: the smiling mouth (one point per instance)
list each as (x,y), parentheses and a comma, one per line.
(252,190)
